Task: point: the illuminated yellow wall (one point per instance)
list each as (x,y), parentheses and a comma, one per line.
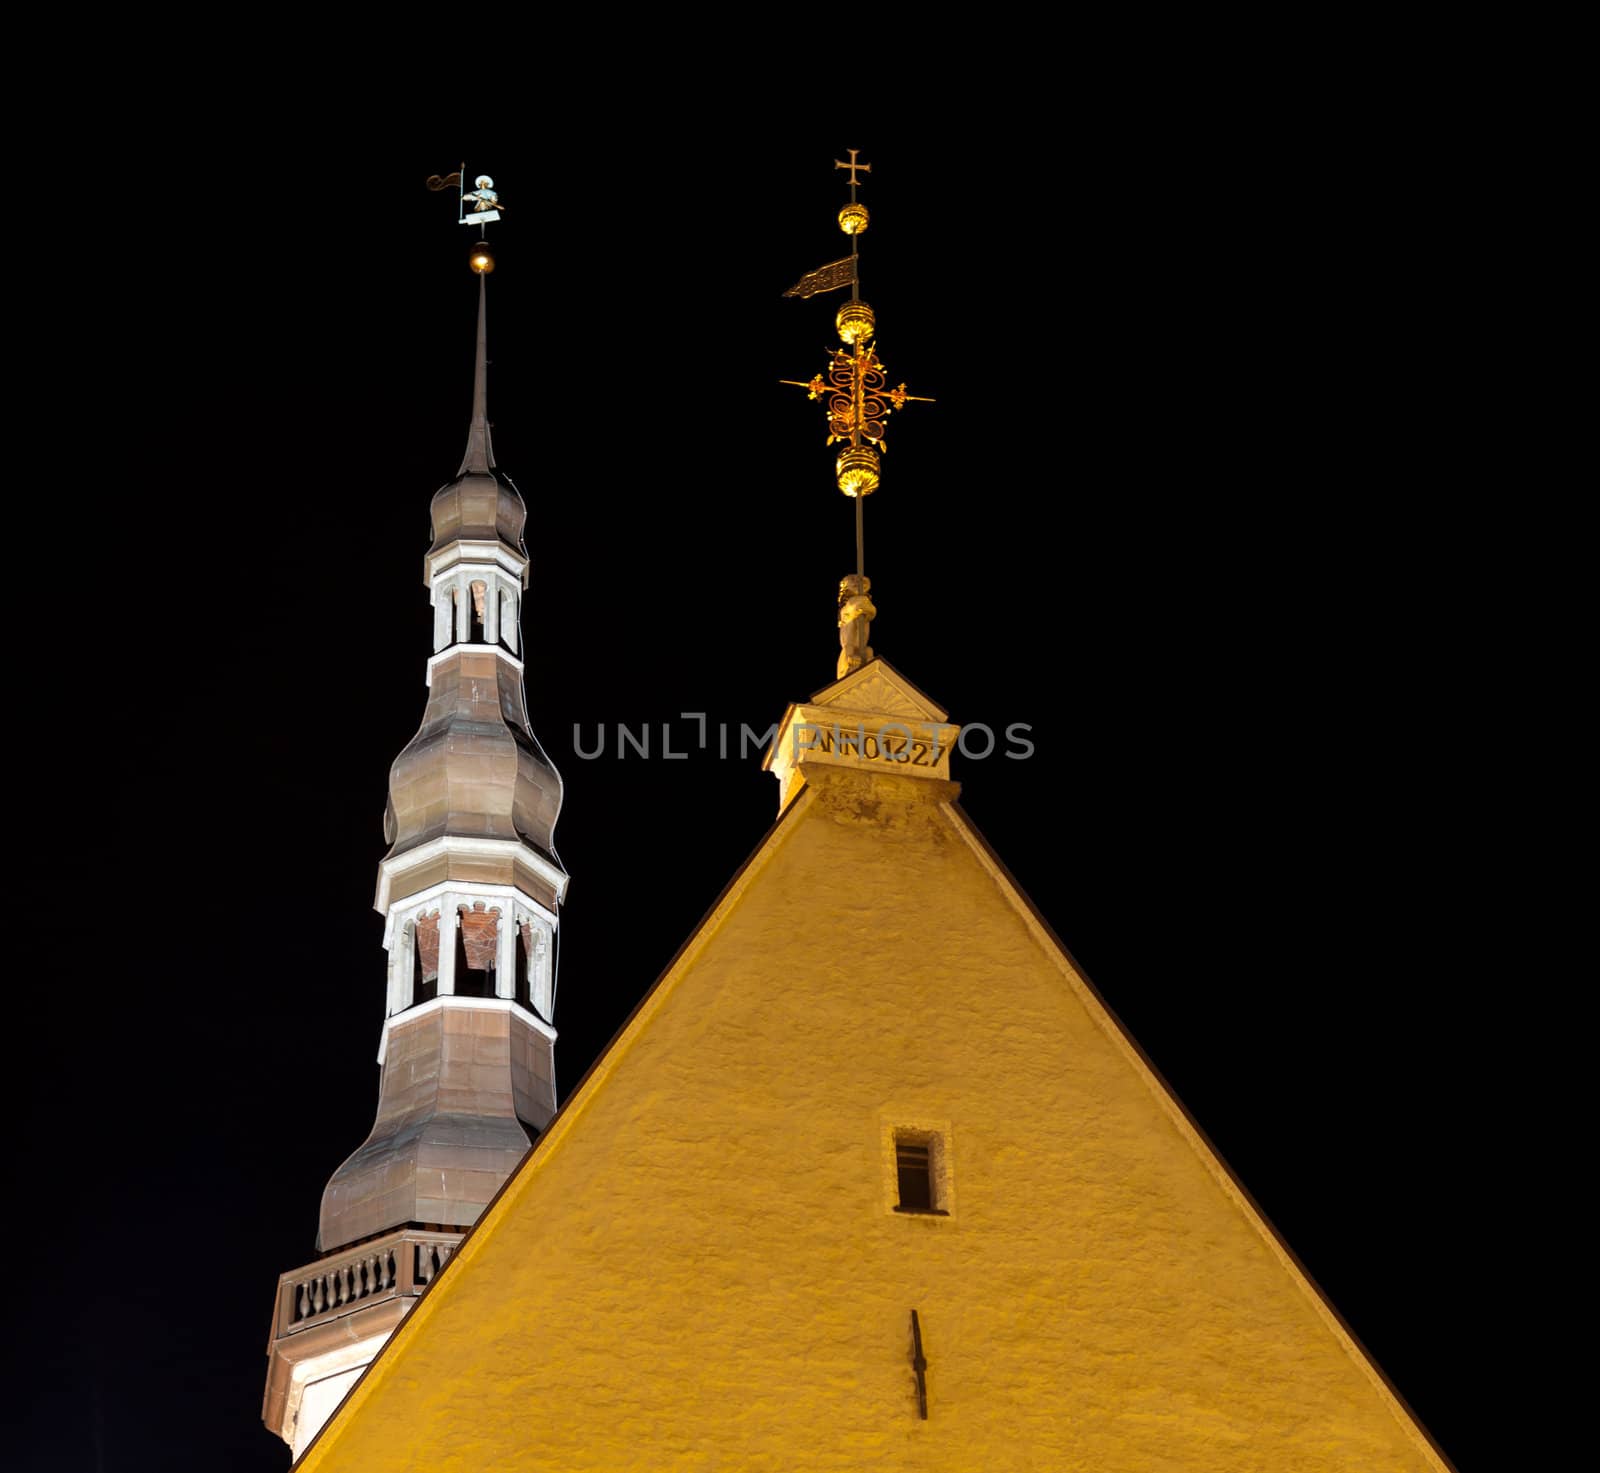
(698,1267)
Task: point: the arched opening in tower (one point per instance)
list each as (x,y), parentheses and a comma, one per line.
(425,959)
(477,944)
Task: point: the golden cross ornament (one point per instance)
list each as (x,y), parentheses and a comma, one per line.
(852,166)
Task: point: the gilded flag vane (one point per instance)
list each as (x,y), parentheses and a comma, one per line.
(857,403)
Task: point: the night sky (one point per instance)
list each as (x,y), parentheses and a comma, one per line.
(1165,512)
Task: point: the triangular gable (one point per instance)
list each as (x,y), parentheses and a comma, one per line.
(610,1286)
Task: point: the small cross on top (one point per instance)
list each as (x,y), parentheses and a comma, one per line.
(852,166)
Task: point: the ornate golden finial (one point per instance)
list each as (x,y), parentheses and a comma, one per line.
(857,404)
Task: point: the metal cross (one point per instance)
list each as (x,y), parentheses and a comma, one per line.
(852,166)
(919,1362)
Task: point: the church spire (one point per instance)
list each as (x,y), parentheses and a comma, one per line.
(470,892)
(857,405)
(479,459)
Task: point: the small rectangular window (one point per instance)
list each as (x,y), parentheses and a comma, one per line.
(913,1157)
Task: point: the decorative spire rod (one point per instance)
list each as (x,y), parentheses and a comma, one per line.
(479,459)
(857,406)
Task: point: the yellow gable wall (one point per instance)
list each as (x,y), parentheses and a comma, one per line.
(698,1266)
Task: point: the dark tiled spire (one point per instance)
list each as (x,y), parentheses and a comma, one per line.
(479,459)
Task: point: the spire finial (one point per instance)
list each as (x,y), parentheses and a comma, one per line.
(857,406)
(485,209)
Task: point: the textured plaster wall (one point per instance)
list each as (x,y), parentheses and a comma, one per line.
(698,1267)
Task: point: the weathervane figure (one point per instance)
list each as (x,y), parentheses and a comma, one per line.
(485,202)
(485,210)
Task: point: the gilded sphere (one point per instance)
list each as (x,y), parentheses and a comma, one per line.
(855,322)
(858,470)
(481,260)
(853,219)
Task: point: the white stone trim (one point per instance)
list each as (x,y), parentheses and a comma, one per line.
(396,868)
(510,618)
(402,965)
(505,955)
(479,1004)
(450,892)
(463,550)
(340,1360)
(452,650)
(449,926)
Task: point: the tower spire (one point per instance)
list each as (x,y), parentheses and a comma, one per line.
(479,458)
(471,892)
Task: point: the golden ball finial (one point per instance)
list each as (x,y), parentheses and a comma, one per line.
(481,260)
(858,470)
(855,322)
(853,219)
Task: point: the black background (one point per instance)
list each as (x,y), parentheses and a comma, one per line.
(1176,508)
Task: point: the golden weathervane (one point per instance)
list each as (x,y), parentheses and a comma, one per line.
(857,403)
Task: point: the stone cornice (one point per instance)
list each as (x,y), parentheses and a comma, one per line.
(493,861)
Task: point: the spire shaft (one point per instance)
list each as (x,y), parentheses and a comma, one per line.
(479,458)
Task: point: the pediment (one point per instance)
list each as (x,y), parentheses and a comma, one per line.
(877,687)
